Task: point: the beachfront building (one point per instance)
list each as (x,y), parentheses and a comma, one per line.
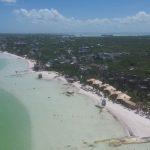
(112,93)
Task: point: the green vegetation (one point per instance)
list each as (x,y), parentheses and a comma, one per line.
(122,61)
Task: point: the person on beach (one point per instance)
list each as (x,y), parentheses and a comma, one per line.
(103,104)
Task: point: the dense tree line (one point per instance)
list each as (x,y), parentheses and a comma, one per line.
(119,60)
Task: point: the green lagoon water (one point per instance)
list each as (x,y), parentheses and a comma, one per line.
(14,121)
(37,115)
(14,124)
(3,63)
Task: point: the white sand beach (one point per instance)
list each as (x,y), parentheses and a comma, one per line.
(134,124)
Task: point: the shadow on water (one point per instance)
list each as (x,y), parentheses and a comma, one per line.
(14,124)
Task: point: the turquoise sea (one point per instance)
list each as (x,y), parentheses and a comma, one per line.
(14,121)
(37,115)
(3,63)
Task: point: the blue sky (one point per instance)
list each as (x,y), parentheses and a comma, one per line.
(68,16)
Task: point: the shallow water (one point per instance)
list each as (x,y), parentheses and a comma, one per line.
(3,63)
(14,120)
(59,122)
(14,124)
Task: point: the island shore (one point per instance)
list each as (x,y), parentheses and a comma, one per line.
(134,124)
(29,61)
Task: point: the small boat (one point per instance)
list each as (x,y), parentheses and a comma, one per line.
(99,106)
(69,93)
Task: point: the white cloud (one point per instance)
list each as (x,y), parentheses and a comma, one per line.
(140,17)
(51,17)
(42,15)
(8,1)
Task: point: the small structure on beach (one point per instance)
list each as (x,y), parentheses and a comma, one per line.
(126,100)
(40,76)
(97,83)
(112,93)
(90,81)
(109,90)
(103,86)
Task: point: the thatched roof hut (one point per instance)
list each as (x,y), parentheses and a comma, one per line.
(94,82)
(114,94)
(103,86)
(90,81)
(123,96)
(108,90)
(97,83)
(126,100)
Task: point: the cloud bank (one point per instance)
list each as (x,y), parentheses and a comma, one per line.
(54,19)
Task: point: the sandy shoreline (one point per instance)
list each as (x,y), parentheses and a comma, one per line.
(133,123)
(30,62)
